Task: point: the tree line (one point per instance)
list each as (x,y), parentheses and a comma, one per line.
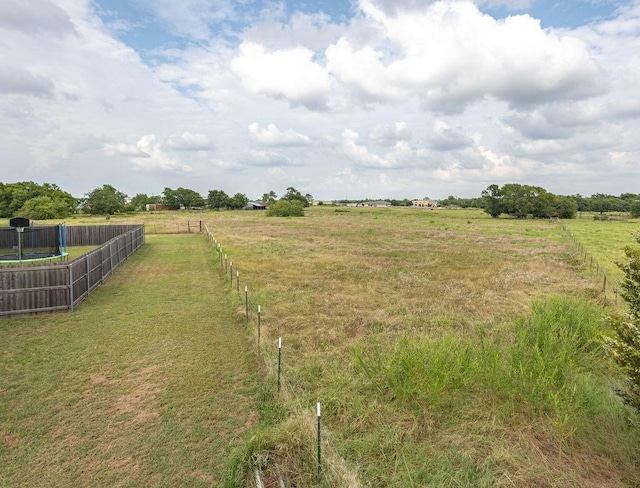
(48,201)
(538,200)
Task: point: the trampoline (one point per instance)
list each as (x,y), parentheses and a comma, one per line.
(25,243)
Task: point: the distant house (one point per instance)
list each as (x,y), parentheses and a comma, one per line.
(425,203)
(255,206)
(156,206)
(377,203)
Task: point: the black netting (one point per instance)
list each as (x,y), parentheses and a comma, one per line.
(31,243)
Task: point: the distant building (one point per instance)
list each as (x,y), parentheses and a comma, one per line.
(377,203)
(425,203)
(255,206)
(156,206)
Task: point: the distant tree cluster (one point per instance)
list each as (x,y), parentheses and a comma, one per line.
(599,202)
(219,200)
(105,200)
(34,201)
(521,201)
(602,203)
(452,201)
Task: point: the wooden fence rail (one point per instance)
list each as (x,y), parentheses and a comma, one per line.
(95,235)
(51,287)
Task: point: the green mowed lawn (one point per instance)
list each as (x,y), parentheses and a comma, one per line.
(150,382)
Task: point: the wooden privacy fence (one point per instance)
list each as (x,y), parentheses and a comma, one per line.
(52,287)
(95,235)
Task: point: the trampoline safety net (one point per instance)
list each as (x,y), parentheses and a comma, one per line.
(29,242)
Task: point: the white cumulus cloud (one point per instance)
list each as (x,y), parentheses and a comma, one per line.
(272,136)
(146,154)
(450,54)
(290,74)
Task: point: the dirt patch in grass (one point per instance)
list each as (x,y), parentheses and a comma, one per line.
(138,401)
(9,439)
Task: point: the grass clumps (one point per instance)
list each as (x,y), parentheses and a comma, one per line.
(546,371)
(536,365)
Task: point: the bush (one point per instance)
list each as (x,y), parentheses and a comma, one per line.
(286,208)
(625,345)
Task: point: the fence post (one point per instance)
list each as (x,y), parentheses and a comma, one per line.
(246,301)
(279,361)
(319,448)
(258,325)
(86,260)
(70,287)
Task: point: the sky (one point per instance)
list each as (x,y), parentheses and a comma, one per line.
(338,99)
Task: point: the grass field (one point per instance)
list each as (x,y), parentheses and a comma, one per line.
(605,240)
(447,349)
(150,382)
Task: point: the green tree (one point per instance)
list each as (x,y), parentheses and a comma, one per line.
(625,345)
(269,197)
(13,196)
(519,200)
(286,208)
(545,205)
(634,209)
(218,199)
(581,202)
(492,197)
(44,207)
(182,198)
(105,201)
(567,207)
(294,195)
(140,201)
(601,203)
(239,200)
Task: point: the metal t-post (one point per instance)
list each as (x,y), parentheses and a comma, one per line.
(20,230)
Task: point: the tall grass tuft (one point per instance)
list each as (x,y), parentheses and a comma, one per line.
(420,372)
(552,364)
(551,367)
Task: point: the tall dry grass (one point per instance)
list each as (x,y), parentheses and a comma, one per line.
(418,332)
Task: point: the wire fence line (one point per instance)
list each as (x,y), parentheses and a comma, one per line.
(270,351)
(608,286)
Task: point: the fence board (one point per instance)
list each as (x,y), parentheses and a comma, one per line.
(52,287)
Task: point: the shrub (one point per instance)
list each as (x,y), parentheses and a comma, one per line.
(625,345)
(286,208)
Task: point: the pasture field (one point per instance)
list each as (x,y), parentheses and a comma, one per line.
(150,382)
(446,348)
(605,240)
